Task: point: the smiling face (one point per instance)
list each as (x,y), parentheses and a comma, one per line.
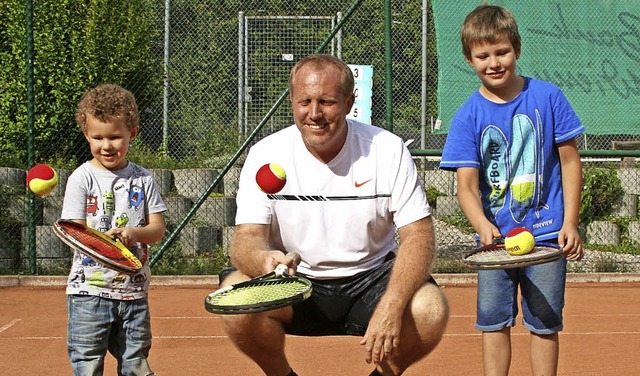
(495,65)
(109,141)
(320,108)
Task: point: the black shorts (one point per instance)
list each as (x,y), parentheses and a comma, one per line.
(340,306)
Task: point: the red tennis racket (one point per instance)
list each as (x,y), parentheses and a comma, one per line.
(495,256)
(101,247)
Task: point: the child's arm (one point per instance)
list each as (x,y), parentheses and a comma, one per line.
(469,199)
(149,234)
(571,167)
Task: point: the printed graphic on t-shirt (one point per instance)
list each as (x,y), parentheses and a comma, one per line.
(92,205)
(516,165)
(136,196)
(495,160)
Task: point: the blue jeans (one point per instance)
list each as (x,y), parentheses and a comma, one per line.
(95,325)
(542,287)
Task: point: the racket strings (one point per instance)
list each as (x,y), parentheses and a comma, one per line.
(104,248)
(499,258)
(263,292)
(502,255)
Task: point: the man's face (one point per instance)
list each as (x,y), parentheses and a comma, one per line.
(320,109)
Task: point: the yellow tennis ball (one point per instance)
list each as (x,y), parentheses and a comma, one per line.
(519,241)
(42,179)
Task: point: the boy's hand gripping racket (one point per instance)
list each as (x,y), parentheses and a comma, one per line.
(102,248)
(495,256)
(270,291)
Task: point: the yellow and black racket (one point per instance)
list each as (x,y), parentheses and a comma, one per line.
(102,248)
(270,291)
(495,256)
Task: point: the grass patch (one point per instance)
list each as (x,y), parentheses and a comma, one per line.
(460,221)
(624,248)
(173,262)
(451,265)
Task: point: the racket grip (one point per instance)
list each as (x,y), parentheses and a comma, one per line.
(280,270)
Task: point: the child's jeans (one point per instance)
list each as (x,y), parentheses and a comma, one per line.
(95,325)
(542,287)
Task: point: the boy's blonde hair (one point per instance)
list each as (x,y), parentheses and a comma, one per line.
(486,24)
(106,101)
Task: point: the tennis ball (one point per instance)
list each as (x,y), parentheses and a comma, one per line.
(519,241)
(271,178)
(42,179)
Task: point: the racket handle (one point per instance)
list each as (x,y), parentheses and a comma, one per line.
(280,270)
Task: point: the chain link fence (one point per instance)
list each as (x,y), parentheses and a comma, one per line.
(207,74)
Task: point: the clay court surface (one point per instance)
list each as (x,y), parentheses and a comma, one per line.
(601,336)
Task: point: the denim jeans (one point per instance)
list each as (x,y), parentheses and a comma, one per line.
(542,288)
(95,325)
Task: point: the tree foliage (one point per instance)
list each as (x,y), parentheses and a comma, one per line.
(81,43)
(77,45)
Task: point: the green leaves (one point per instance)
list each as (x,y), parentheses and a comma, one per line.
(601,190)
(77,45)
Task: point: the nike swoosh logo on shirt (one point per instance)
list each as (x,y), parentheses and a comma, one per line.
(358,185)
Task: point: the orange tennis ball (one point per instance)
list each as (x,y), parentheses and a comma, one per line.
(271,178)
(519,241)
(42,179)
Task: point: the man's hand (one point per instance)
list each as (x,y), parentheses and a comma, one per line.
(383,335)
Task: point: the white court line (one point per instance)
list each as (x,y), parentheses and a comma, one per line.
(13,322)
(9,325)
(451,316)
(606,315)
(186,317)
(576,315)
(190,337)
(564,334)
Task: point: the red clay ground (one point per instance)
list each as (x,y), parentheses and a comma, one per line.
(601,336)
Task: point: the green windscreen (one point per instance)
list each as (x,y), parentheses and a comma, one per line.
(590,49)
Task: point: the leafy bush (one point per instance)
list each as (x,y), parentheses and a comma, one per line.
(432,195)
(78,45)
(601,190)
(173,262)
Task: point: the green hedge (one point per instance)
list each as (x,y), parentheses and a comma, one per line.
(77,44)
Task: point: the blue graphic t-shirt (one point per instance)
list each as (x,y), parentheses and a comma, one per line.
(514,146)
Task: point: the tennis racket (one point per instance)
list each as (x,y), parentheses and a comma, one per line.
(270,291)
(495,256)
(102,248)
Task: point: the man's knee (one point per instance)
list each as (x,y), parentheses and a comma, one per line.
(430,309)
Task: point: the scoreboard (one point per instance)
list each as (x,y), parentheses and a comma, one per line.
(363,90)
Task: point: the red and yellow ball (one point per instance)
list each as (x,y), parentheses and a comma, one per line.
(519,241)
(271,178)
(42,179)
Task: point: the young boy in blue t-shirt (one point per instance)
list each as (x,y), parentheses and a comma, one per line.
(512,145)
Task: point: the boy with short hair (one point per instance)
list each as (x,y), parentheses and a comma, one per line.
(108,310)
(512,145)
